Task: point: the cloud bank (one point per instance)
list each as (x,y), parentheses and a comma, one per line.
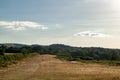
(91,34)
(21,25)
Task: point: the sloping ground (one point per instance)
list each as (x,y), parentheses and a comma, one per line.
(46,67)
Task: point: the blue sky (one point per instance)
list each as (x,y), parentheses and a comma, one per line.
(71,22)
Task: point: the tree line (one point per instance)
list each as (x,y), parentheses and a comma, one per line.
(17,54)
(89,53)
(67,52)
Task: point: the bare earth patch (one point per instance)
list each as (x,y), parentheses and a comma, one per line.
(46,67)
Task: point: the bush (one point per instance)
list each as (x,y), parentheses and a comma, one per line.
(6,60)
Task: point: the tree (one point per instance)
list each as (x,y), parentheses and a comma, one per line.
(2,50)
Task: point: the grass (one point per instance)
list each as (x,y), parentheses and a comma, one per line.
(54,69)
(103,62)
(47,67)
(106,62)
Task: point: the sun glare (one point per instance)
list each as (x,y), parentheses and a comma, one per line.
(115,5)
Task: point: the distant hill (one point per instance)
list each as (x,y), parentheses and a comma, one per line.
(63,47)
(64,51)
(13,45)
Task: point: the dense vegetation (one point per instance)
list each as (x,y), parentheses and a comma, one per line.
(14,55)
(91,54)
(6,60)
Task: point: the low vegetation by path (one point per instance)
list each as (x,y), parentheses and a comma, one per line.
(47,67)
(13,58)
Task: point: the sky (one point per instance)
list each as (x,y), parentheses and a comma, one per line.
(82,23)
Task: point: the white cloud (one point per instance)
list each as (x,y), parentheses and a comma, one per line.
(21,25)
(91,34)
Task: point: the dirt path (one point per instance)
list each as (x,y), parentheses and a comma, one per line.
(22,70)
(46,67)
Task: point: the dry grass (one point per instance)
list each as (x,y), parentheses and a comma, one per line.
(9,53)
(53,69)
(46,67)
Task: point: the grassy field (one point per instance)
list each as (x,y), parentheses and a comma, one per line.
(47,67)
(53,69)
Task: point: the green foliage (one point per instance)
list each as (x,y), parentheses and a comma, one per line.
(6,60)
(92,55)
(19,54)
(65,52)
(2,50)
(64,56)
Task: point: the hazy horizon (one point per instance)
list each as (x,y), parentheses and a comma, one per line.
(85,23)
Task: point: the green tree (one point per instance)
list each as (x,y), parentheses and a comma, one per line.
(2,50)
(24,51)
